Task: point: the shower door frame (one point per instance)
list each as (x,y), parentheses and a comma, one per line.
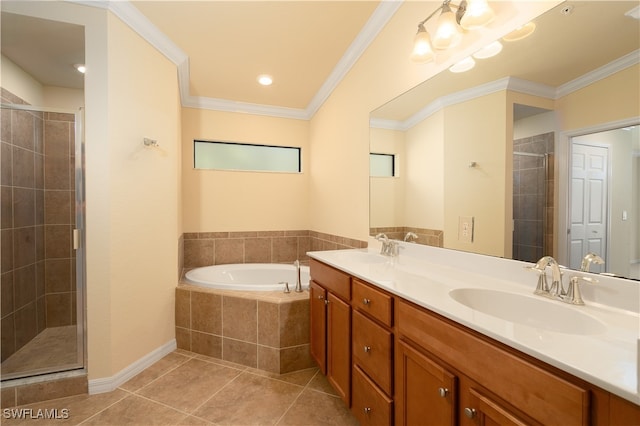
(78,244)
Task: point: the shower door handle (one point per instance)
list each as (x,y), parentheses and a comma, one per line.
(76,239)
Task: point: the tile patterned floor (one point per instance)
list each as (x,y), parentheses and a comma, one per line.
(184,388)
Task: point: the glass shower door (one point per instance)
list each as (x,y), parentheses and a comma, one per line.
(42,312)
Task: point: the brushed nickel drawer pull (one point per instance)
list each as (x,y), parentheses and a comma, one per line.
(470,412)
(366,301)
(443,392)
(367,348)
(367,410)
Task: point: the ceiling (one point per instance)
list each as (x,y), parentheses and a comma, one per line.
(564,47)
(228,44)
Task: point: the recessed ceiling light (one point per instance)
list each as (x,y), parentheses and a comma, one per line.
(80,68)
(521,32)
(464,65)
(265,79)
(489,50)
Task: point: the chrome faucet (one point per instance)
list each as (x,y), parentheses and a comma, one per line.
(298,283)
(389,247)
(588,259)
(410,236)
(556,289)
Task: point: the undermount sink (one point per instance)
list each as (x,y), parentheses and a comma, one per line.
(363,257)
(528,310)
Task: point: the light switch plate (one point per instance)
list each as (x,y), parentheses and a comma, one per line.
(465,229)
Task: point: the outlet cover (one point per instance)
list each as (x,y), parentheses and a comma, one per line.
(465,229)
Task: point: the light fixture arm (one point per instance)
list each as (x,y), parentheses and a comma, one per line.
(460,10)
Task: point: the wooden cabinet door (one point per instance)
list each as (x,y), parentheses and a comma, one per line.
(426,392)
(339,346)
(485,411)
(318,322)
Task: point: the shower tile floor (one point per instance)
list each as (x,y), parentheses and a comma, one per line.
(185,388)
(52,347)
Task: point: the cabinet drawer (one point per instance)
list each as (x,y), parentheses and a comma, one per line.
(370,405)
(331,279)
(374,302)
(545,397)
(372,350)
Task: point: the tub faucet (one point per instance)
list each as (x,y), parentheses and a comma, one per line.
(588,259)
(556,289)
(410,236)
(298,283)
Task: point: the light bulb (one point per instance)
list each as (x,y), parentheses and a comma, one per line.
(422,51)
(448,33)
(478,14)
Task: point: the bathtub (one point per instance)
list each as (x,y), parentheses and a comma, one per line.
(248,276)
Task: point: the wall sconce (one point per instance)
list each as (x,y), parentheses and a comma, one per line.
(450,27)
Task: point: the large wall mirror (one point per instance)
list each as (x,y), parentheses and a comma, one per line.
(533,152)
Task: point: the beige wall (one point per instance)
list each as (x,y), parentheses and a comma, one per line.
(143,193)
(339,134)
(243,201)
(17,81)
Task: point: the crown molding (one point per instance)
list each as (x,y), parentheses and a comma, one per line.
(604,71)
(139,23)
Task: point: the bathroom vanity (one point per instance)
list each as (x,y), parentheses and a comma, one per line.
(398,340)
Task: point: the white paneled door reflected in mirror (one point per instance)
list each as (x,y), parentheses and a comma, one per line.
(502,143)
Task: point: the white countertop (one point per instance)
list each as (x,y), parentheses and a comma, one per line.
(608,358)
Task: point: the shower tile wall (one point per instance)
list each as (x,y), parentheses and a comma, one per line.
(532,210)
(37,195)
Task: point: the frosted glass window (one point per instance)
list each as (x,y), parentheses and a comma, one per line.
(239,156)
(382,165)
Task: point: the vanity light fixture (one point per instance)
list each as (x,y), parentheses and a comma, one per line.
(265,80)
(450,27)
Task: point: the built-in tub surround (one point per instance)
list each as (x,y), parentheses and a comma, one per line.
(264,330)
(427,237)
(215,248)
(432,277)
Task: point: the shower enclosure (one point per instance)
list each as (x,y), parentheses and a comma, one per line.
(42,312)
(533,197)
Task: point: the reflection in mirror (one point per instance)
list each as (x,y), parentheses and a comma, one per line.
(495,143)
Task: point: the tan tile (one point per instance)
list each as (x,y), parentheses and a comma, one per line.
(23,168)
(315,408)
(295,358)
(198,253)
(222,362)
(183,338)
(249,399)
(239,318)
(183,308)
(58,309)
(206,312)
(321,384)
(24,282)
(268,320)
(206,344)
(57,172)
(7,337)
(57,206)
(189,385)
(300,378)
(268,359)
(24,207)
(193,421)
(135,410)
(285,249)
(36,392)
(294,323)
(229,251)
(26,321)
(22,129)
(57,241)
(157,369)
(239,352)
(57,275)
(7,397)
(257,250)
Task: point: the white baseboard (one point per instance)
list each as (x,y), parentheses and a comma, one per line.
(107,384)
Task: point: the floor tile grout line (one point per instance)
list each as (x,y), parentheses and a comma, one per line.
(154,380)
(296,398)
(216,393)
(128,394)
